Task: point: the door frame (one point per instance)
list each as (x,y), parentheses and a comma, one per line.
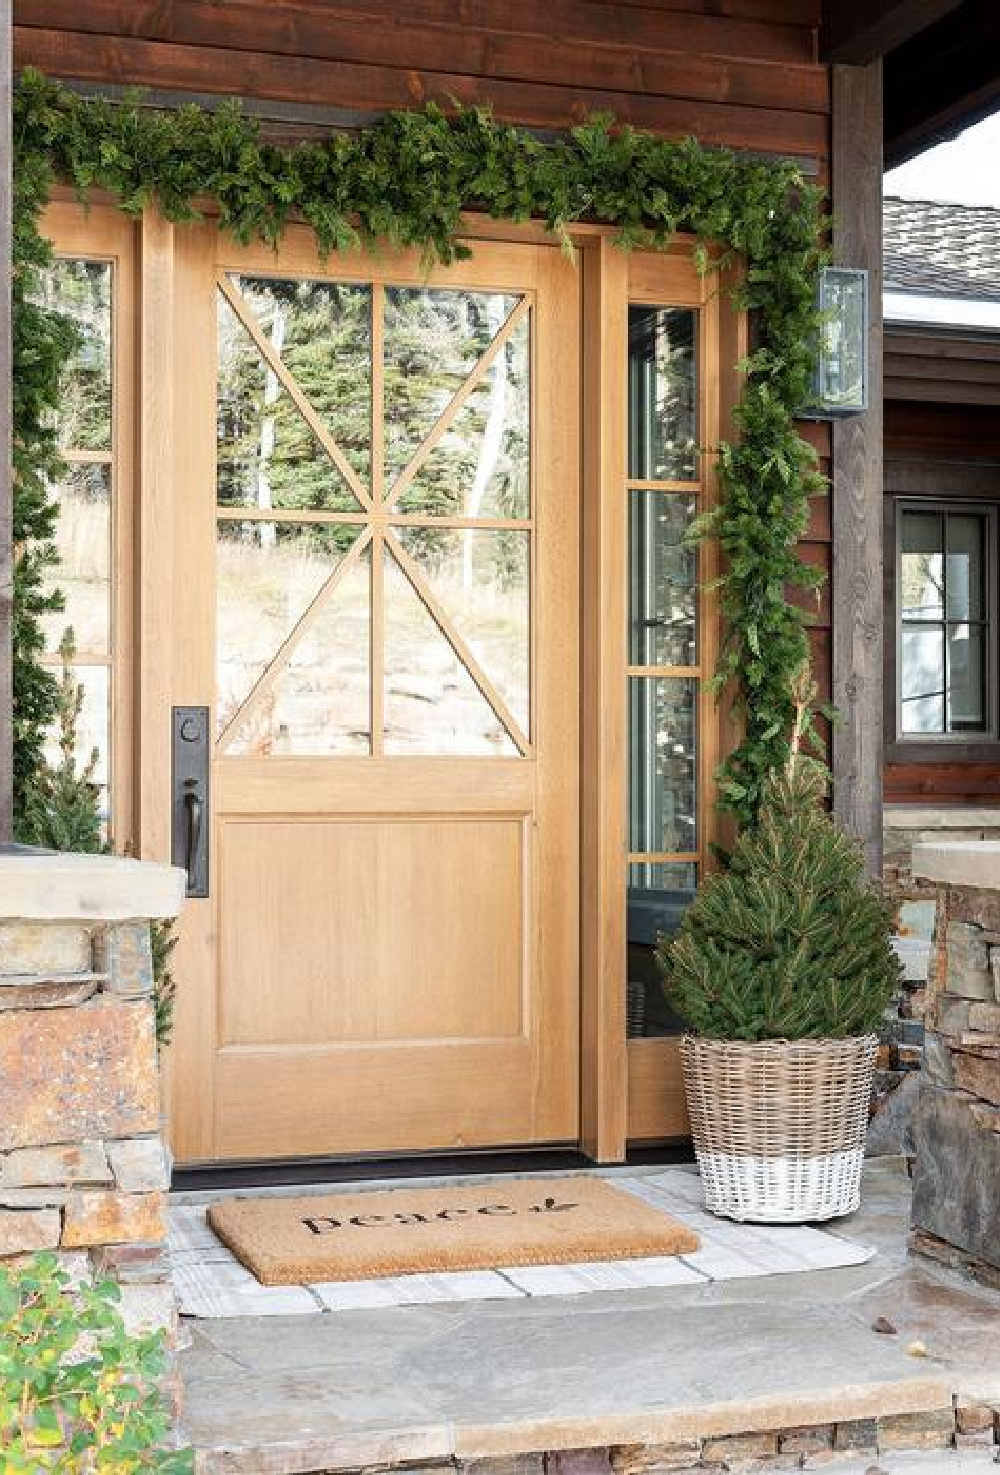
(630,1090)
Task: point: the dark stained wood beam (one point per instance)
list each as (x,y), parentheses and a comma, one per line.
(943,80)
(6,471)
(855,32)
(857,472)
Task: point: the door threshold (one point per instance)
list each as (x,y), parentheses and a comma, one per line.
(291,1173)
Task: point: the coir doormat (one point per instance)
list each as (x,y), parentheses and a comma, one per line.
(385,1232)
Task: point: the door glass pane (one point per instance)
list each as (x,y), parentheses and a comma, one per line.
(479,468)
(82,290)
(966,679)
(662,763)
(318,703)
(663,422)
(267,576)
(922,679)
(267,456)
(922,571)
(662,580)
(322,332)
(434,337)
(480,578)
(965,566)
(83,542)
(432,704)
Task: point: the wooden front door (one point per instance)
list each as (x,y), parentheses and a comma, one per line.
(368,573)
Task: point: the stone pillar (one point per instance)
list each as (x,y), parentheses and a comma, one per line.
(83,1165)
(956,1127)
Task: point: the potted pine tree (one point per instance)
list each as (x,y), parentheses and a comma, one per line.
(782,969)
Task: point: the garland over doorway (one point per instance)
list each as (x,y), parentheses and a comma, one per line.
(406,180)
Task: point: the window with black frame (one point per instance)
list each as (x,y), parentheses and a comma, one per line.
(946,624)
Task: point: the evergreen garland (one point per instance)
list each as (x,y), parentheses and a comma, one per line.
(406,180)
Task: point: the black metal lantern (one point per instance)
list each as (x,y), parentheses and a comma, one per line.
(840,382)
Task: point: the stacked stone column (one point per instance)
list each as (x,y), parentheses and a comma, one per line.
(956,1127)
(83,1163)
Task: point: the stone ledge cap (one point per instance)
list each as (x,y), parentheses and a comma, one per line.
(939,817)
(959,862)
(43,885)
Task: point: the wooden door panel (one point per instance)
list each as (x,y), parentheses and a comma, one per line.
(371,939)
(386,632)
(345,1100)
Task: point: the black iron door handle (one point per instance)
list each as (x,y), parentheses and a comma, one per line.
(190,805)
(193,810)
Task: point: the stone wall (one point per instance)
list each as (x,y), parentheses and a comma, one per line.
(956,1124)
(83,1166)
(915,899)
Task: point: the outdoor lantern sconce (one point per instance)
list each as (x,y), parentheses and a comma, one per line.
(840,381)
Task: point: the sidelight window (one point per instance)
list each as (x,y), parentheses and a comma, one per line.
(83,290)
(664,491)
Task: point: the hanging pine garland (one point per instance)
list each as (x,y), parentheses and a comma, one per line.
(406,180)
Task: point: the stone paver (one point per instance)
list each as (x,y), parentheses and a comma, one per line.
(488,1379)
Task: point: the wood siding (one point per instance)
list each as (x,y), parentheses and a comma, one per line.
(740,72)
(947,368)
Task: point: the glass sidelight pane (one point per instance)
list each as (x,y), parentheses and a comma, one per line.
(662,390)
(267,457)
(268,575)
(658,895)
(922,679)
(662,580)
(322,333)
(432,704)
(922,566)
(480,466)
(93,729)
(82,291)
(481,579)
(434,337)
(663,776)
(83,542)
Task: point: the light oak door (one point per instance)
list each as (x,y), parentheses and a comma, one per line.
(369,574)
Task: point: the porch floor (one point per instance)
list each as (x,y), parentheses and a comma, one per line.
(472,1380)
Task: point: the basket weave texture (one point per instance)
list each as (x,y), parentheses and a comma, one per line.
(779,1126)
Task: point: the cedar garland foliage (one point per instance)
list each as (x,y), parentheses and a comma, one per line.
(406,180)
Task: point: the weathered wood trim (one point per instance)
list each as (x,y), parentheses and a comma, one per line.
(857,472)
(860,31)
(942,80)
(942,477)
(6,436)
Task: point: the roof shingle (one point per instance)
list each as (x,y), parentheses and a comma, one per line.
(942,250)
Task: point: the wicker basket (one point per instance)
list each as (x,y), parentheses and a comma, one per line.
(779,1126)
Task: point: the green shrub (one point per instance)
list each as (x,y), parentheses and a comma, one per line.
(77,1392)
(792,940)
(163,939)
